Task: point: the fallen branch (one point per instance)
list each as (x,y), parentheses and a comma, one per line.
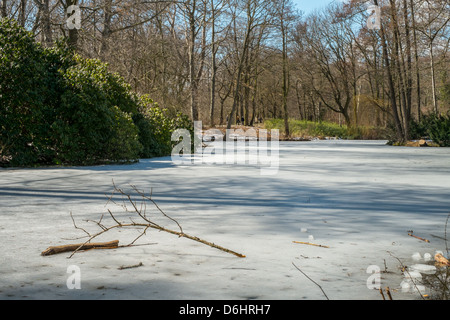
(145,223)
(310,244)
(80,246)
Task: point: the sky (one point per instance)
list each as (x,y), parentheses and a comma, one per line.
(309,5)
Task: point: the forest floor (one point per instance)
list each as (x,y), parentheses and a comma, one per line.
(360,200)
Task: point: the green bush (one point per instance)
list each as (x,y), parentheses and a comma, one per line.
(30,91)
(20,91)
(156,128)
(419,129)
(432,126)
(90,126)
(124,144)
(59,108)
(439,129)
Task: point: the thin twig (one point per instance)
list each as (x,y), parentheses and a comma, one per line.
(311,280)
(112,216)
(156,205)
(75,225)
(142,233)
(445,232)
(406,270)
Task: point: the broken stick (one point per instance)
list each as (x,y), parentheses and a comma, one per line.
(80,246)
(140,264)
(389,293)
(411,235)
(381,292)
(311,244)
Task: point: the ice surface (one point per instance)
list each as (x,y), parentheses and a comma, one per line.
(416,256)
(359,198)
(406,286)
(427,257)
(423,268)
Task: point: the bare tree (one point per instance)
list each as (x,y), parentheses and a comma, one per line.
(416,58)
(255,15)
(194,12)
(45,21)
(217,8)
(285,17)
(329,47)
(433,18)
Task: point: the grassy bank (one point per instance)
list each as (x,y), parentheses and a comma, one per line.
(309,129)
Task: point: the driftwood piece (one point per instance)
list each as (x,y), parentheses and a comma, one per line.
(80,246)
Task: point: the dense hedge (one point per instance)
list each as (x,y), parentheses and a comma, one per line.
(432,126)
(59,108)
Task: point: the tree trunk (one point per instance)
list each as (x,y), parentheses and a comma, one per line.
(398,64)
(238,76)
(285,80)
(254,95)
(106,32)
(4,11)
(192,74)
(433,80)
(46,28)
(408,59)
(416,60)
(213,66)
(390,79)
(23,6)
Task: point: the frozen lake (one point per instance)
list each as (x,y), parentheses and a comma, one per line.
(359,198)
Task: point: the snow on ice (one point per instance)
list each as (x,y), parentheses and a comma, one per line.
(358,198)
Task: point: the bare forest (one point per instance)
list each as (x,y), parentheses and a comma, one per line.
(229,61)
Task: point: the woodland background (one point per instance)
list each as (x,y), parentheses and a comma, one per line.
(229,62)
